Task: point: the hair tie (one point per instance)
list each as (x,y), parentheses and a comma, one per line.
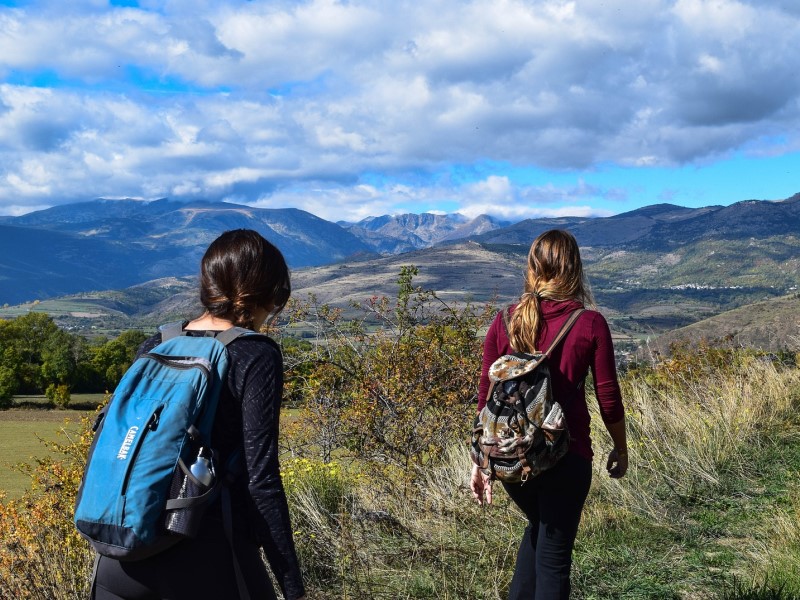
(533,294)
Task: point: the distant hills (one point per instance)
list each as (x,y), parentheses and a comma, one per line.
(109,244)
(464,272)
(652,270)
(663,227)
(770,324)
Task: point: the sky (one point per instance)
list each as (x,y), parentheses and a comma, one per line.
(357,108)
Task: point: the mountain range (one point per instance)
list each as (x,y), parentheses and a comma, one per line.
(105,244)
(652,269)
(108,244)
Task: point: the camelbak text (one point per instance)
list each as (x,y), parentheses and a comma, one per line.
(127,443)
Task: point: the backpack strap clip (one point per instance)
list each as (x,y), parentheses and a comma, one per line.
(171,330)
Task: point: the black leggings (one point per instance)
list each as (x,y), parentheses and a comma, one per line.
(552,502)
(192,570)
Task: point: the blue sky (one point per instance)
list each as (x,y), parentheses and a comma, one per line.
(359,108)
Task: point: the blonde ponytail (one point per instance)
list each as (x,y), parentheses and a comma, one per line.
(554,272)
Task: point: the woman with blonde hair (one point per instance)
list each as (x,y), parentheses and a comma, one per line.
(555,287)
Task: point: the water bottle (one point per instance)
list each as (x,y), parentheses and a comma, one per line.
(202,469)
(185,521)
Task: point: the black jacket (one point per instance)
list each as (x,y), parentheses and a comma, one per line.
(247,418)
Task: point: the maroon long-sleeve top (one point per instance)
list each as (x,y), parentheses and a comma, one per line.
(587,347)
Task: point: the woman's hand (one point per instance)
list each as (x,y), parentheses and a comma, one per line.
(481,485)
(617,464)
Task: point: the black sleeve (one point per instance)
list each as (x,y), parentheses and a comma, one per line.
(261,399)
(256,377)
(148,345)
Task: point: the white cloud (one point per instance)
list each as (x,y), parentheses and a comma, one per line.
(276,102)
(494,195)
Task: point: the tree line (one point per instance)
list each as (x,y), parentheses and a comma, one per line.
(37,357)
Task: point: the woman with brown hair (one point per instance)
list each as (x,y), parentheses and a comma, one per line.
(555,286)
(244,281)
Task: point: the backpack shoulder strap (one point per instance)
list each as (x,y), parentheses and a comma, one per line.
(171,330)
(227,336)
(506,319)
(562,333)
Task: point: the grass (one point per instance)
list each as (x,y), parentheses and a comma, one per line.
(24,428)
(22,432)
(709,510)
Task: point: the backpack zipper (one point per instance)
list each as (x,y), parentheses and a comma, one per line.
(181,362)
(151,425)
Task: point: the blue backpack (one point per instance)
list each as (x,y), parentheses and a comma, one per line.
(141,492)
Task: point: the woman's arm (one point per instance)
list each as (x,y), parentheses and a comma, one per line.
(479,483)
(609,396)
(490,354)
(260,417)
(617,463)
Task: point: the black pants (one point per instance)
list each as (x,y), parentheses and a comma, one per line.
(552,502)
(193,570)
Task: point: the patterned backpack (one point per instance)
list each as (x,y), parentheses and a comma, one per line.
(522,430)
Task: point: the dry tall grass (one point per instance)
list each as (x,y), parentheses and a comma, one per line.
(689,433)
(385,538)
(689,437)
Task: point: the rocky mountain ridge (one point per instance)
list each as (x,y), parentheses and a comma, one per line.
(395,234)
(114,244)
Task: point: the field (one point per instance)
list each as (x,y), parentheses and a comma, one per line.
(23,431)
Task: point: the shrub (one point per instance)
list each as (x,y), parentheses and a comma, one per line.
(8,385)
(396,395)
(42,557)
(58,394)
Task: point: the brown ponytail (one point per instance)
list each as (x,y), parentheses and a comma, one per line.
(240,273)
(554,272)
